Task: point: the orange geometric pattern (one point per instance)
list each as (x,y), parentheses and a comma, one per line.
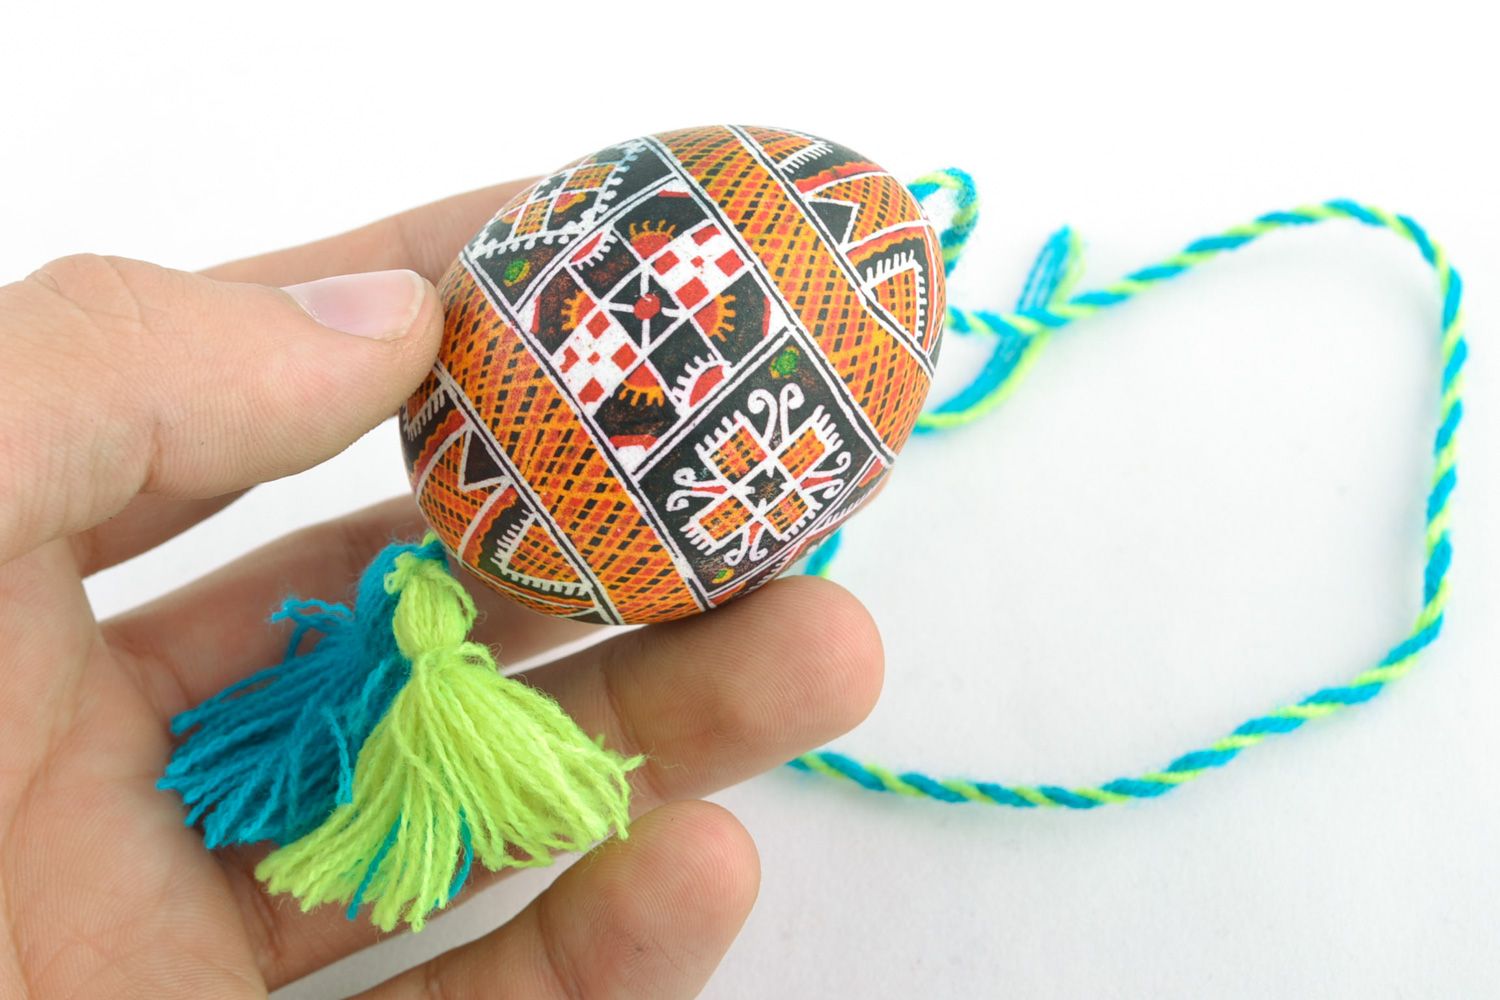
(937,306)
(780,145)
(725,519)
(448,508)
(789,510)
(806,451)
(901,286)
(898,294)
(882,373)
(540,557)
(738,454)
(535,424)
(671,367)
(880,198)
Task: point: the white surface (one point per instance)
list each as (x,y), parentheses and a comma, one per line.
(1197,508)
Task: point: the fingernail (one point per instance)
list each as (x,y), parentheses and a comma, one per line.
(379,305)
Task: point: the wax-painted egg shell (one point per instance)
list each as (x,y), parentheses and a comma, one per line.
(672,367)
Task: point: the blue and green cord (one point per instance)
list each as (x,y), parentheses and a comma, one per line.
(1048,304)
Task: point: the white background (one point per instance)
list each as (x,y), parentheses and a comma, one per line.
(1200,507)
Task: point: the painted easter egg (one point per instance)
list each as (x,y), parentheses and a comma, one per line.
(672,367)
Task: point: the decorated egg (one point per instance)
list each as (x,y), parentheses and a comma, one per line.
(671,368)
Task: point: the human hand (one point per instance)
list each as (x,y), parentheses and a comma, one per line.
(138,401)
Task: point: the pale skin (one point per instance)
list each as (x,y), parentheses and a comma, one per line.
(136,401)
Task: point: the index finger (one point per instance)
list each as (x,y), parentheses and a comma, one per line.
(424,239)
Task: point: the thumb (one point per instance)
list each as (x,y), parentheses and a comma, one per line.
(121,377)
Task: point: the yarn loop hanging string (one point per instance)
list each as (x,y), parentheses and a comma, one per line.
(1048,304)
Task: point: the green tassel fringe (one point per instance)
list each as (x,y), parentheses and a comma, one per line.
(466,764)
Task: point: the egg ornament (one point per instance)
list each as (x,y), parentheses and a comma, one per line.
(672,367)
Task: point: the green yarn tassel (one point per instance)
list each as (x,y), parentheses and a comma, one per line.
(466,764)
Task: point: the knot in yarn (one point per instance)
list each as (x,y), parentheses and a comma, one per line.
(434,613)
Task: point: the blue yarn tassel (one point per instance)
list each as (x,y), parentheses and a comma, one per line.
(269,758)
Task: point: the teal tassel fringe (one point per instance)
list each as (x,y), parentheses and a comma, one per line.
(270,757)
